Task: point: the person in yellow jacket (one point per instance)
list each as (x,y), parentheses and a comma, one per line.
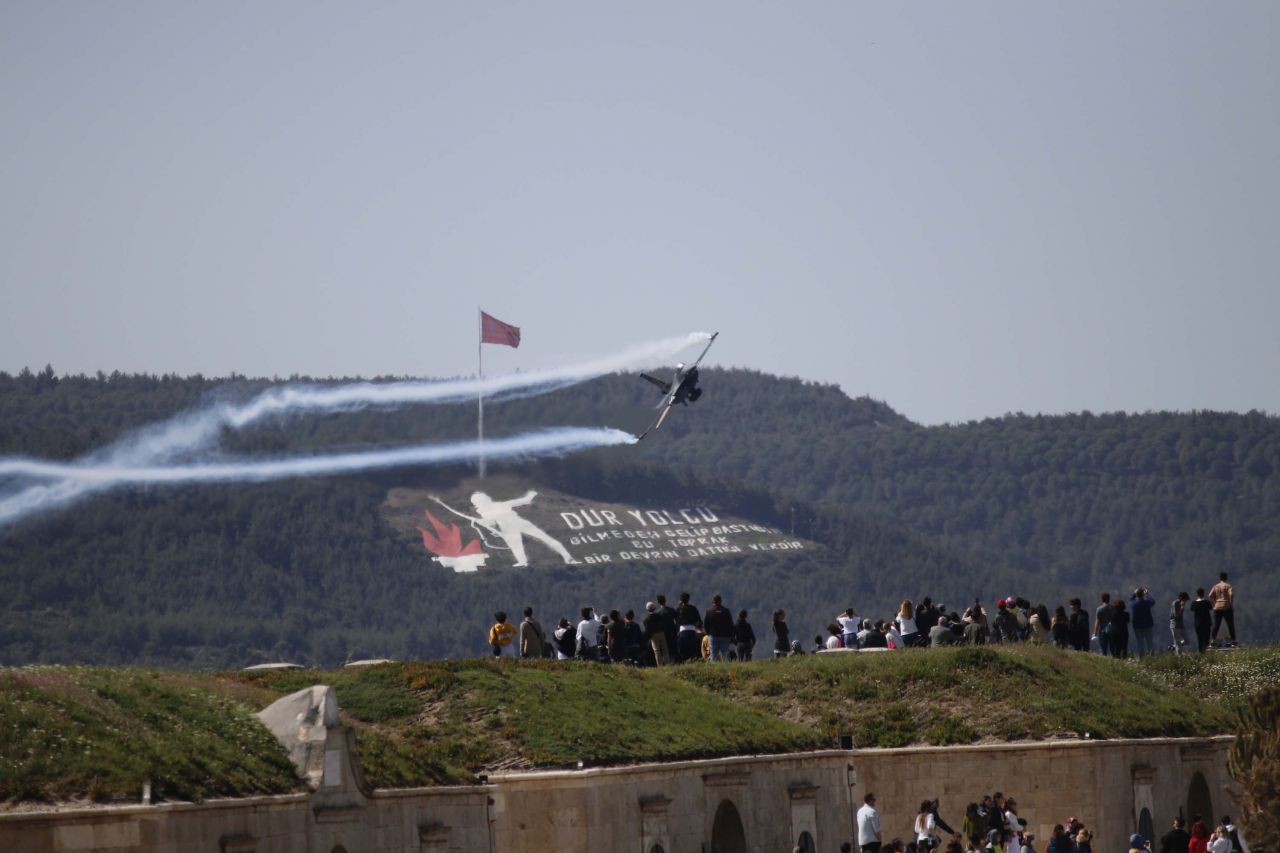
(501,634)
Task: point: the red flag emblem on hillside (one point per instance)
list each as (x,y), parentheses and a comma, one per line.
(494,331)
(447,541)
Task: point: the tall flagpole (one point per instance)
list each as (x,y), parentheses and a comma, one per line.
(480,395)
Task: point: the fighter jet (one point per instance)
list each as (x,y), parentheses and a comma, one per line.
(683,387)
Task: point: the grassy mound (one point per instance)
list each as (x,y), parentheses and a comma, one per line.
(74,732)
(77,732)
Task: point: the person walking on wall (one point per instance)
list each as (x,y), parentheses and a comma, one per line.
(1223,599)
(869,825)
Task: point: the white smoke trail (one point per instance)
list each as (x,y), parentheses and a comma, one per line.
(553,442)
(190,434)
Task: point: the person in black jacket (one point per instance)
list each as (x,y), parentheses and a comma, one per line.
(1119,630)
(1202,613)
(782,637)
(688,640)
(718,622)
(744,639)
(1078,626)
(668,615)
(1176,839)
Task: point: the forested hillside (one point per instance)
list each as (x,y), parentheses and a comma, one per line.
(1044,507)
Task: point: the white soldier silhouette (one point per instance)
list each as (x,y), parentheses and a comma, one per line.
(501,519)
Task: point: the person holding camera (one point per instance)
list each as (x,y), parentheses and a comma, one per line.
(1140,606)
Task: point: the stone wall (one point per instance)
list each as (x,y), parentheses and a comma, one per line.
(439,820)
(731,805)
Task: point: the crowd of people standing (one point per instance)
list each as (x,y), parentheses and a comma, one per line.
(679,634)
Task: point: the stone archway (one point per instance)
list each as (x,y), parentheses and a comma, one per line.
(1199,802)
(806,844)
(727,834)
(1145,826)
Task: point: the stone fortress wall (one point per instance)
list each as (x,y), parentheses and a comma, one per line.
(749,804)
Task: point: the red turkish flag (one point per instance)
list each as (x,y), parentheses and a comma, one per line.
(494,331)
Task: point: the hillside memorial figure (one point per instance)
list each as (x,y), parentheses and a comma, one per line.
(501,519)
(1222,596)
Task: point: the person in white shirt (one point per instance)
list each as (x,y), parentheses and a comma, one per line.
(1219,843)
(906,624)
(925,822)
(588,634)
(869,825)
(849,623)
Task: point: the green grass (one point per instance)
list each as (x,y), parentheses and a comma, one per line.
(101,733)
(92,732)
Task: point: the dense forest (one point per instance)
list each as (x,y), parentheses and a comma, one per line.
(221,576)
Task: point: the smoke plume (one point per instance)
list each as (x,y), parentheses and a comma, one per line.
(177,450)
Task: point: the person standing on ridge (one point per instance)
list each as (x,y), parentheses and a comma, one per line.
(501,634)
(655,629)
(1202,617)
(688,641)
(1141,604)
(1078,626)
(1102,624)
(532,639)
(1223,599)
(744,638)
(719,624)
(669,626)
(782,637)
(1177,622)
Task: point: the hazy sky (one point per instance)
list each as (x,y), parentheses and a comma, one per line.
(962,209)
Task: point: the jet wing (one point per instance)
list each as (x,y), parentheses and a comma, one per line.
(666,410)
(704,351)
(665,386)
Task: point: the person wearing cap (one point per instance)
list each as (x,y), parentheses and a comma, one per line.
(1137,844)
(655,630)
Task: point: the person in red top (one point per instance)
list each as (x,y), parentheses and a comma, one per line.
(1199,836)
(1223,602)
